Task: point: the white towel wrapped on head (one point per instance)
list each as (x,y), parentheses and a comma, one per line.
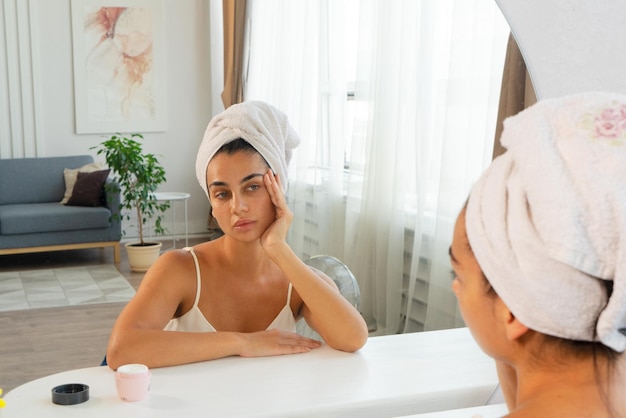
(262,125)
(547,220)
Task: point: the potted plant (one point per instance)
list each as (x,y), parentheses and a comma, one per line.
(137,175)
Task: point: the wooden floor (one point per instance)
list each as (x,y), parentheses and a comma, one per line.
(39,342)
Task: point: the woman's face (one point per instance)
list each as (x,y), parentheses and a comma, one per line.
(476,302)
(239,199)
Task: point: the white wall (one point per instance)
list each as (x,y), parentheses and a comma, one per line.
(44,27)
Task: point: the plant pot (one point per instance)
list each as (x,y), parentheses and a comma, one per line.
(141,257)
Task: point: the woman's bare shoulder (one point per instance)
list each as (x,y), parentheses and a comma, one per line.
(173,271)
(172,261)
(207,253)
(167,286)
(182,258)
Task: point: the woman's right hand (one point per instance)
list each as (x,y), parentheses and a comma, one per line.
(275,343)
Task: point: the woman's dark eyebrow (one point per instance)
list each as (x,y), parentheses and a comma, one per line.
(245,179)
(217,184)
(250,177)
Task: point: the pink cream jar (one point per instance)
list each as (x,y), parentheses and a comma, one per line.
(133,382)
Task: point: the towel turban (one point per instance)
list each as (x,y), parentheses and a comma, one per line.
(262,125)
(547,220)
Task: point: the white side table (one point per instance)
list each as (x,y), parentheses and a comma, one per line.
(173,197)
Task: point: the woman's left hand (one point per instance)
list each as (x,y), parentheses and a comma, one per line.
(276,233)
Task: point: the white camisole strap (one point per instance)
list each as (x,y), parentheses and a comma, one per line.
(198,277)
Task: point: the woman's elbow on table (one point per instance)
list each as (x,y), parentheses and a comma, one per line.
(114,357)
(350,341)
(120,353)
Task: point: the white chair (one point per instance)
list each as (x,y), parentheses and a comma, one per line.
(343,278)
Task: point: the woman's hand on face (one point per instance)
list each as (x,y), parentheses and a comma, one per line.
(276,233)
(275,343)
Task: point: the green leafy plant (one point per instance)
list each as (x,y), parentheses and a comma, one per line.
(137,176)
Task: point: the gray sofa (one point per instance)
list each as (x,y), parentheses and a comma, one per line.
(32,219)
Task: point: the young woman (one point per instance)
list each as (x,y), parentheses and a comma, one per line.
(539,259)
(242,293)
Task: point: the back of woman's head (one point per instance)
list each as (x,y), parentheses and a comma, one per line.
(547,220)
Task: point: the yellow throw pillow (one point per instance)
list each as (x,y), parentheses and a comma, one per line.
(71,174)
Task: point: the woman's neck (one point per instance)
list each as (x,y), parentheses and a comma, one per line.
(243,256)
(571,384)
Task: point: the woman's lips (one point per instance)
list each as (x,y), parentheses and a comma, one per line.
(243,224)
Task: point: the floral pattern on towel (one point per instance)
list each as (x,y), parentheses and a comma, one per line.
(607,123)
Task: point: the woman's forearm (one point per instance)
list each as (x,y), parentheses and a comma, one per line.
(158,348)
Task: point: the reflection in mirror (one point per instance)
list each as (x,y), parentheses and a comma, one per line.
(396,104)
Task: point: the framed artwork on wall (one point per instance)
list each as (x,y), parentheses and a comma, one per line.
(119,66)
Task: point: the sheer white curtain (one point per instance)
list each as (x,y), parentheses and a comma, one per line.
(396,104)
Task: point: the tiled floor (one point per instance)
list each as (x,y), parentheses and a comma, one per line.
(62,287)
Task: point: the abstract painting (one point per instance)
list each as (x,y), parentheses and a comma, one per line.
(118,66)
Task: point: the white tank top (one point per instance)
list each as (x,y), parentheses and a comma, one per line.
(194,321)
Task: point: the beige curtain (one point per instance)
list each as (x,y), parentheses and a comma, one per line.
(517,91)
(234,17)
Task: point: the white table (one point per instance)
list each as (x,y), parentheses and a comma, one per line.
(485,411)
(172,198)
(390,376)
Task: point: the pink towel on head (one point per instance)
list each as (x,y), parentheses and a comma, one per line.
(547,220)
(262,125)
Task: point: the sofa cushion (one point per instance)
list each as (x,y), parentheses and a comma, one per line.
(70,175)
(88,189)
(51,217)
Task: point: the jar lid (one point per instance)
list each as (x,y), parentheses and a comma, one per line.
(70,394)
